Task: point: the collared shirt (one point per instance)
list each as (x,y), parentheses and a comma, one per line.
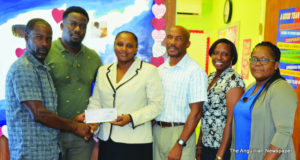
(73,77)
(214,110)
(29,80)
(184,83)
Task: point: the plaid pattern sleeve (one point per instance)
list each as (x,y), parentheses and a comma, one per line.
(28,80)
(26,85)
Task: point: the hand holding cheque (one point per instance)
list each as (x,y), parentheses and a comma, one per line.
(95,116)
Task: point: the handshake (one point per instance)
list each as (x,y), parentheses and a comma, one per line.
(82,129)
(87,130)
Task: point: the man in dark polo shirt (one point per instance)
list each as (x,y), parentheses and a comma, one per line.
(73,67)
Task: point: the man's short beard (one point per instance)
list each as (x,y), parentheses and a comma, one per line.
(175,56)
(39,56)
(75,44)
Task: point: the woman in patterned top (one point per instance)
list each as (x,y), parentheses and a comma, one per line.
(224,90)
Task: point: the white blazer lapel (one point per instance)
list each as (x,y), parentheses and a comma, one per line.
(111,75)
(131,72)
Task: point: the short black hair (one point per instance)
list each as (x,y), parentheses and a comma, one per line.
(31,23)
(77,10)
(134,36)
(232,47)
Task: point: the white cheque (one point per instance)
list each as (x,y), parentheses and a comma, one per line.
(100,115)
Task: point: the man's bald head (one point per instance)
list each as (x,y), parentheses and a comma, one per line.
(184,31)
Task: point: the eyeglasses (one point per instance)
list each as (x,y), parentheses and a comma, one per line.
(262,61)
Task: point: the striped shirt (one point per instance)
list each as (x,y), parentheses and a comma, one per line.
(184,83)
(28,80)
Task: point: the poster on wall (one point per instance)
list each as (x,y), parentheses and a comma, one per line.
(230,33)
(245,58)
(288,40)
(107,18)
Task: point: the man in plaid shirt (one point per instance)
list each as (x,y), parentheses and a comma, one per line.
(31,101)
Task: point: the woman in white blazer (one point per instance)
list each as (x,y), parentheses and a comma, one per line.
(134,88)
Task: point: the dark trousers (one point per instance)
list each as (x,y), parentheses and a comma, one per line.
(210,153)
(110,150)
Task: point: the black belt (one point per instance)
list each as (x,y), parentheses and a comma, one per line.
(169,124)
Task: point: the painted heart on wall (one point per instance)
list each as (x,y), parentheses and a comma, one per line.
(159,23)
(158,50)
(159,1)
(158,35)
(19,52)
(159,10)
(157,61)
(57,15)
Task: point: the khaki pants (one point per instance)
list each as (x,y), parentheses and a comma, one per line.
(74,147)
(164,140)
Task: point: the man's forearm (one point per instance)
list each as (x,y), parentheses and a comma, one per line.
(190,125)
(50,119)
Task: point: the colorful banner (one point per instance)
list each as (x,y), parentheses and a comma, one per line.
(288,40)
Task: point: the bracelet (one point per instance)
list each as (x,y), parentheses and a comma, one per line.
(218,157)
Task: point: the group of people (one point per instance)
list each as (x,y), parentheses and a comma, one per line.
(49,87)
(256,123)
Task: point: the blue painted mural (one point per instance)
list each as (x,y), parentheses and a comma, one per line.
(107,18)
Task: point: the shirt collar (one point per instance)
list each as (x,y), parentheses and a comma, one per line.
(62,49)
(227,70)
(135,64)
(182,63)
(33,60)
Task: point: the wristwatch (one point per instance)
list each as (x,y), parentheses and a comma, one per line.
(181,142)
(218,157)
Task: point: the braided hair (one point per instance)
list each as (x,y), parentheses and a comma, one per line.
(276,55)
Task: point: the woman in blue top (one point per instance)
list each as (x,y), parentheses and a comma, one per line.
(264,116)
